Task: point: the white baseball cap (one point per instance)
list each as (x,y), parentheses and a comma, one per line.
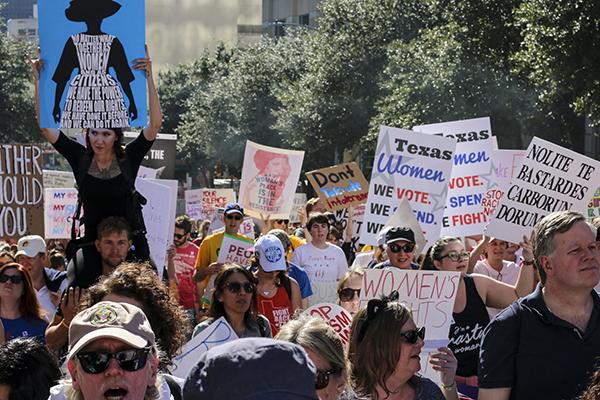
(270,252)
(30,246)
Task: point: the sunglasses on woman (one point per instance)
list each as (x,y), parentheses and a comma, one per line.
(236,287)
(396,248)
(322,378)
(347,294)
(236,217)
(16,279)
(282,221)
(128,360)
(456,255)
(414,335)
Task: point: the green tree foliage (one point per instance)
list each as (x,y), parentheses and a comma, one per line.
(17,112)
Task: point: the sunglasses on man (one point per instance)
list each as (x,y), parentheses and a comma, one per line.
(97,362)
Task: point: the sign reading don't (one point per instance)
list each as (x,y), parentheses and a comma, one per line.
(340,186)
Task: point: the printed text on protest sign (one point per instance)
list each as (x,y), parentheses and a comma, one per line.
(340,186)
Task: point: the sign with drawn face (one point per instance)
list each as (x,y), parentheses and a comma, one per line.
(88,48)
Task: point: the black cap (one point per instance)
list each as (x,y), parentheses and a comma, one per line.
(399,233)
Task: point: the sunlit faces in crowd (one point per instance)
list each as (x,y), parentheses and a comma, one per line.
(113,248)
(349,289)
(496,250)
(236,293)
(11,284)
(453,258)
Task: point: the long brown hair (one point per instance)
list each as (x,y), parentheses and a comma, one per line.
(29,306)
(217,310)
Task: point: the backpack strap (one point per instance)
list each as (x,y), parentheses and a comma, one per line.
(262,325)
(286,283)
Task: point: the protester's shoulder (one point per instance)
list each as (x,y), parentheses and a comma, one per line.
(214,237)
(381,265)
(336,249)
(427,390)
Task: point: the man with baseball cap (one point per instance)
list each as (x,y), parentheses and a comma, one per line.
(206,261)
(49,283)
(400,248)
(112,354)
(252,369)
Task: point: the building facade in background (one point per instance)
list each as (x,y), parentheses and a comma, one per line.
(277,15)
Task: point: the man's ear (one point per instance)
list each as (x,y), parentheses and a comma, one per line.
(153,370)
(73,372)
(546,264)
(97,243)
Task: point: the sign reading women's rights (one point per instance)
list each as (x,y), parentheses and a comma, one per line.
(340,186)
(505,163)
(472,174)
(21,191)
(59,208)
(551,178)
(219,332)
(201,204)
(413,166)
(88,48)
(269,180)
(235,250)
(338,318)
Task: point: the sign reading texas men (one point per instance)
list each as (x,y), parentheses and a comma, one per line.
(551,178)
(88,47)
(340,186)
(472,174)
(413,166)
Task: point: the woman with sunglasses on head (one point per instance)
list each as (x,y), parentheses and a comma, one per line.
(475,292)
(20,311)
(325,349)
(348,290)
(104,169)
(277,294)
(234,298)
(384,354)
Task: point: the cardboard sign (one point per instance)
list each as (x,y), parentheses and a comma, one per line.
(161,156)
(235,250)
(59,207)
(58,179)
(551,178)
(269,180)
(338,318)
(504,165)
(429,294)
(217,333)
(21,191)
(340,186)
(88,80)
(408,165)
(357,219)
(299,202)
(201,204)
(158,219)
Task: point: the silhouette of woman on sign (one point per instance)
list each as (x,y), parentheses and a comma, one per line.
(94,99)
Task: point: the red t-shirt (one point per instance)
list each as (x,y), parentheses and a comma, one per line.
(185,261)
(277,309)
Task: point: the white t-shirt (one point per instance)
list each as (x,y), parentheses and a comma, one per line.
(509,274)
(322,265)
(43,295)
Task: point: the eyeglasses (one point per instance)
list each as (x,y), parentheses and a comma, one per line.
(347,294)
(236,287)
(236,217)
(322,378)
(414,335)
(407,248)
(282,221)
(16,279)
(456,255)
(179,236)
(128,360)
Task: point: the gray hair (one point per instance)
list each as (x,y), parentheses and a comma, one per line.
(315,334)
(544,232)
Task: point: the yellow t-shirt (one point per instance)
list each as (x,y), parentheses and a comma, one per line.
(296,242)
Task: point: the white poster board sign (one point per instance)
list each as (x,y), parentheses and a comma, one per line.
(505,164)
(358,214)
(59,207)
(298,203)
(336,316)
(235,250)
(551,178)
(58,179)
(201,204)
(269,179)
(408,165)
(217,333)
(147,173)
(323,292)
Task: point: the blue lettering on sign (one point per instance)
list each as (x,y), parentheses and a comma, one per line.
(470,158)
(407,170)
(467,200)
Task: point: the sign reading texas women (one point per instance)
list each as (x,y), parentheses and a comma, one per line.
(413,166)
(87,47)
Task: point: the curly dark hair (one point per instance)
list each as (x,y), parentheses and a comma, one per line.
(593,391)
(139,281)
